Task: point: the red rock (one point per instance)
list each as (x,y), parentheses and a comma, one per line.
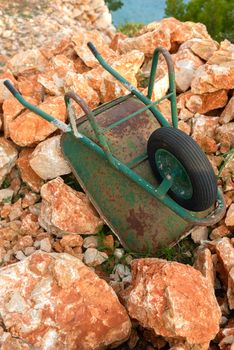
(79,310)
(225,254)
(204,48)
(23,242)
(225,135)
(28,175)
(80,40)
(16,210)
(204,263)
(217,73)
(228,113)
(8,157)
(30,87)
(29,199)
(170,24)
(147,42)
(80,85)
(219,232)
(53,80)
(185,127)
(207,102)
(127,65)
(189,30)
(229,221)
(203,132)
(47,160)
(7,342)
(71,241)
(66,210)
(224,55)
(185,64)
(27,62)
(173,300)
(28,128)
(11,109)
(203,125)
(108,242)
(30,224)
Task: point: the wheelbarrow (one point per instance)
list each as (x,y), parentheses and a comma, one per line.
(149,181)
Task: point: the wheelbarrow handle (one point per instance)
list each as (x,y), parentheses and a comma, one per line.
(10,87)
(158,115)
(171,75)
(58,123)
(93,49)
(70,95)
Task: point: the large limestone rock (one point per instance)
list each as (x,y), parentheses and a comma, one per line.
(65,210)
(80,40)
(28,128)
(189,30)
(207,102)
(173,300)
(8,156)
(225,254)
(47,160)
(26,62)
(204,48)
(80,85)
(185,64)
(28,175)
(147,42)
(128,65)
(203,132)
(217,73)
(55,302)
(228,113)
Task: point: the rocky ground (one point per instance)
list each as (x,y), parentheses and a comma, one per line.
(66,282)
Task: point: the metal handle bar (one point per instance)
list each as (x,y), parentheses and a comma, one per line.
(97,130)
(58,123)
(158,115)
(171,76)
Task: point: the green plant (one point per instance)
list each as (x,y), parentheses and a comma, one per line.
(114,5)
(130,28)
(217,15)
(6,183)
(181,252)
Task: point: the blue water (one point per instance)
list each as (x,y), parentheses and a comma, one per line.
(144,11)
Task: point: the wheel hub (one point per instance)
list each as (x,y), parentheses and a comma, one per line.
(170,167)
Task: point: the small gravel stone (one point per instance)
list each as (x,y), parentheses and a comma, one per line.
(119,253)
(199,233)
(45,245)
(37,244)
(20,255)
(29,250)
(92,257)
(90,242)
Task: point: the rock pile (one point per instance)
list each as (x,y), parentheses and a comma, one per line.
(29,24)
(51,247)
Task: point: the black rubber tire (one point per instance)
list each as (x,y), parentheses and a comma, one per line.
(195,162)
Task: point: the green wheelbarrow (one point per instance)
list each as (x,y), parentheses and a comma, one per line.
(149,181)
